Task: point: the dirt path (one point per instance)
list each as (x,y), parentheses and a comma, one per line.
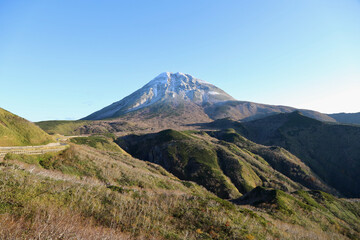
(33,150)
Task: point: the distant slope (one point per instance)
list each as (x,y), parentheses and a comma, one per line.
(167,114)
(226,166)
(332,151)
(71,128)
(17,131)
(247,111)
(66,128)
(350,118)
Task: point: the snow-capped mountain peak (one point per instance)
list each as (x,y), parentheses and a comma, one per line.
(167,86)
(185,87)
(174,78)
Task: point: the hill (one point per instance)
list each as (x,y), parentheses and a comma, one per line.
(332,151)
(66,128)
(72,128)
(17,131)
(224,166)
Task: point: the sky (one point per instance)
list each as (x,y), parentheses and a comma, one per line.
(65,59)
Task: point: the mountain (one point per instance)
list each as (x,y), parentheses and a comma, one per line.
(182,99)
(332,151)
(349,118)
(167,87)
(17,131)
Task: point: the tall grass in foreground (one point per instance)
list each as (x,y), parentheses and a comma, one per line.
(84,193)
(36,206)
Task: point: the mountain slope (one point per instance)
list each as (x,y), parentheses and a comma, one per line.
(226,167)
(349,118)
(174,92)
(17,131)
(247,111)
(332,151)
(278,158)
(88,193)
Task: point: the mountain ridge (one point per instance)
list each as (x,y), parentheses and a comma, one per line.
(347,118)
(331,150)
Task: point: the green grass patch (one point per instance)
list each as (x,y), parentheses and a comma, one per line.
(66,128)
(17,131)
(98,142)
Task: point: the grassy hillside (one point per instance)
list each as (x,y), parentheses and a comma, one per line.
(228,167)
(98,142)
(332,151)
(87,193)
(304,207)
(17,131)
(66,128)
(278,158)
(71,128)
(184,156)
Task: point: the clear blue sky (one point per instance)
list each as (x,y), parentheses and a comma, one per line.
(68,58)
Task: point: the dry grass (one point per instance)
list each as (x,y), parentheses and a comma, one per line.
(147,203)
(297,232)
(143,213)
(55,224)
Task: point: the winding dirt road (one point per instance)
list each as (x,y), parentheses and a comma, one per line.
(33,150)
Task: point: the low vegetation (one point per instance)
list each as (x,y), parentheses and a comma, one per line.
(88,193)
(125,195)
(332,151)
(226,163)
(98,142)
(83,127)
(66,128)
(17,131)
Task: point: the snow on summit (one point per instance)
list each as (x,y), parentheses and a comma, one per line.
(167,86)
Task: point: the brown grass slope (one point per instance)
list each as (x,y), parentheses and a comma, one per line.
(87,193)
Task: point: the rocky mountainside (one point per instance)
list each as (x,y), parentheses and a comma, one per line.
(188,100)
(17,131)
